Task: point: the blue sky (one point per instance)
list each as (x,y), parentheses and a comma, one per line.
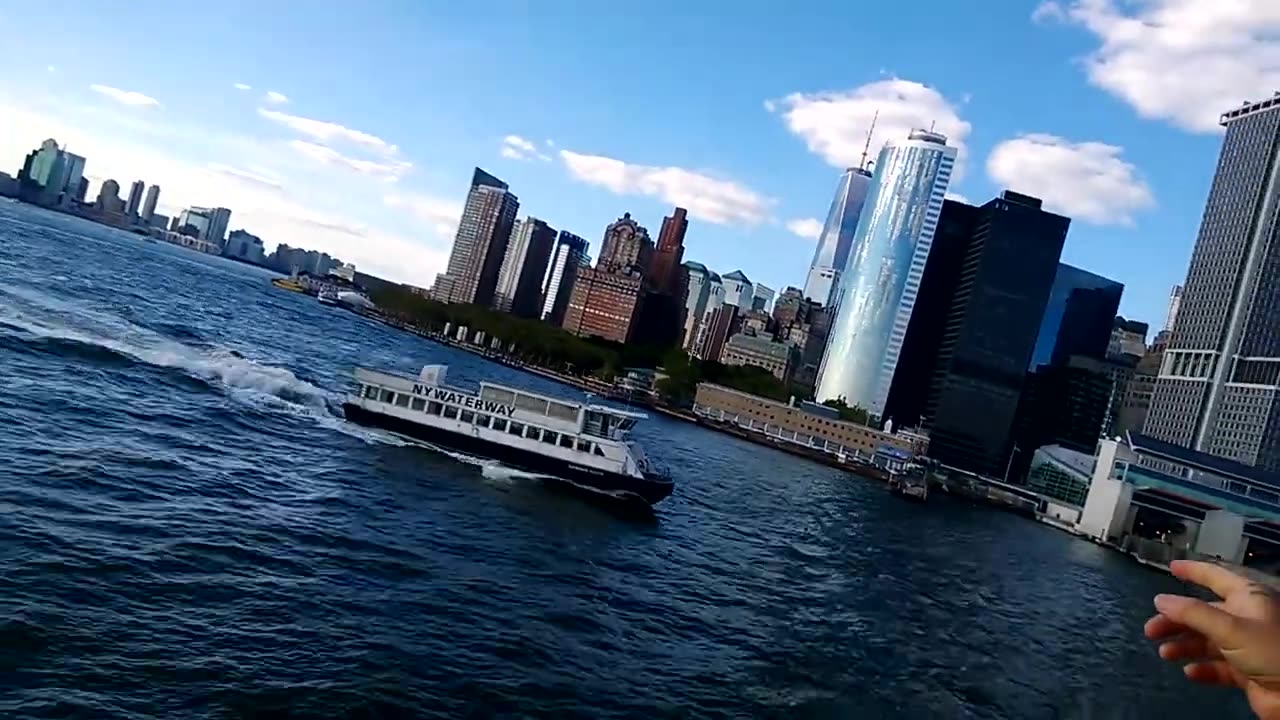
(744,112)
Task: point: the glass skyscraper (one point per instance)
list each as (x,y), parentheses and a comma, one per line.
(832,253)
(882,274)
(1220,376)
(1077,317)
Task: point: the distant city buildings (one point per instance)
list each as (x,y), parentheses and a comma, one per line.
(480,244)
(1175,302)
(697,289)
(1078,317)
(880,282)
(109,198)
(1219,381)
(519,287)
(665,274)
(207,224)
(761,352)
(149,205)
(832,254)
(50,176)
(134,204)
(762,298)
(738,290)
(245,246)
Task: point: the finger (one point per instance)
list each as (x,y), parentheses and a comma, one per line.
(1223,629)
(1214,672)
(1215,577)
(1160,627)
(1191,647)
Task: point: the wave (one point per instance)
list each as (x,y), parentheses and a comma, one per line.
(47,324)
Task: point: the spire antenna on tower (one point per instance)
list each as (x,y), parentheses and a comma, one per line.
(863,165)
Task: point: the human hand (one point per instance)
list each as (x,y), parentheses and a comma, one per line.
(1233,642)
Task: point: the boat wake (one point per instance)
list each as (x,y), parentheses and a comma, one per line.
(39,323)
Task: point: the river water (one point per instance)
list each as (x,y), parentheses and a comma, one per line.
(188,528)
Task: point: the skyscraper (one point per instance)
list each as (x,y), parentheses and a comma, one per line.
(219,219)
(697,286)
(134,203)
(1175,301)
(50,176)
(480,244)
(1077,318)
(832,253)
(762,298)
(569,255)
(109,198)
(208,224)
(993,318)
(606,300)
(882,275)
(1220,377)
(738,290)
(519,287)
(149,206)
(665,273)
(701,342)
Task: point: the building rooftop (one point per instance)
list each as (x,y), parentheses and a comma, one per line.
(759,345)
(737,275)
(1249,108)
(1071,459)
(1201,461)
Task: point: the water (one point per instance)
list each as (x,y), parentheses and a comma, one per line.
(188,528)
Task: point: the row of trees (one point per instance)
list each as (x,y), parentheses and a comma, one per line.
(537,343)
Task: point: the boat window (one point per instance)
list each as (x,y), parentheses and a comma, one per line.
(387,396)
(450,412)
(467,416)
(626,423)
(402,400)
(566,441)
(434,408)
(504,397)
(562,411)
(371,392)
(531,404)
(549,437)
(595,450)
(584,445)
(418,404)
(482,420)
(515,428)
(499,424)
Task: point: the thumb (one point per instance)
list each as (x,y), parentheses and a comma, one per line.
(1225,630)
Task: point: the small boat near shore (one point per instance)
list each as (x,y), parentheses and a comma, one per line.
(579,447)
(910,483)
(290,283)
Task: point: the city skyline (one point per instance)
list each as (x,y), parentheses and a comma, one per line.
(370,171)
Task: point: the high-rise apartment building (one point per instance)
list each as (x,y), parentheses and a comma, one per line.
(606,300)
(149,205)
(208,224)
(762,298)
(993,319)
(134,204)
(569,255)
(480,244)
(50,176)
(832,253)
(109,198)
(1128,338)
(698,342)
(738,290)
(665,273)
(1220,376)
(519,287)
(697,287)
(882,276)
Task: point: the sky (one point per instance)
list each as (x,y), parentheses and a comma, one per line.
(353,128)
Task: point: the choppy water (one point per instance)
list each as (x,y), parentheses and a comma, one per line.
(189,529)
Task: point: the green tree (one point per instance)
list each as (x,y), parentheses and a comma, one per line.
(856,413)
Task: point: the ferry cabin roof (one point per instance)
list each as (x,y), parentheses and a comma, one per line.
(564,416)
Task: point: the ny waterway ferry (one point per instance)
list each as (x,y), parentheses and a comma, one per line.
(580,446)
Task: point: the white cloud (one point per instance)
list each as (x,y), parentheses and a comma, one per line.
(518,148)
(1087,181)
(256,176)
(835,124)
(1048,11)
(1183,61)
(276,98)
(441,214)
(550,142)
(389,169)
(125,97)
(808,228)
(328,132)
(707,198)
(242,86)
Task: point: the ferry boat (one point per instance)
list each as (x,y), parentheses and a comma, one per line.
(328,297)
(579,446)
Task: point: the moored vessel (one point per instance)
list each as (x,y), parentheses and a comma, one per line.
(580,446)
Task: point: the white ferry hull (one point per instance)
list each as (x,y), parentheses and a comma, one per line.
(616,485)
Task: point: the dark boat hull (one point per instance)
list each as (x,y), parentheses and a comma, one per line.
(619,486)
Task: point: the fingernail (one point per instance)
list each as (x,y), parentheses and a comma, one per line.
(1167,602)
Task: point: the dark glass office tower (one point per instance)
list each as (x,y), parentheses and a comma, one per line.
(992,323)
(1220,377)
(1077,317)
